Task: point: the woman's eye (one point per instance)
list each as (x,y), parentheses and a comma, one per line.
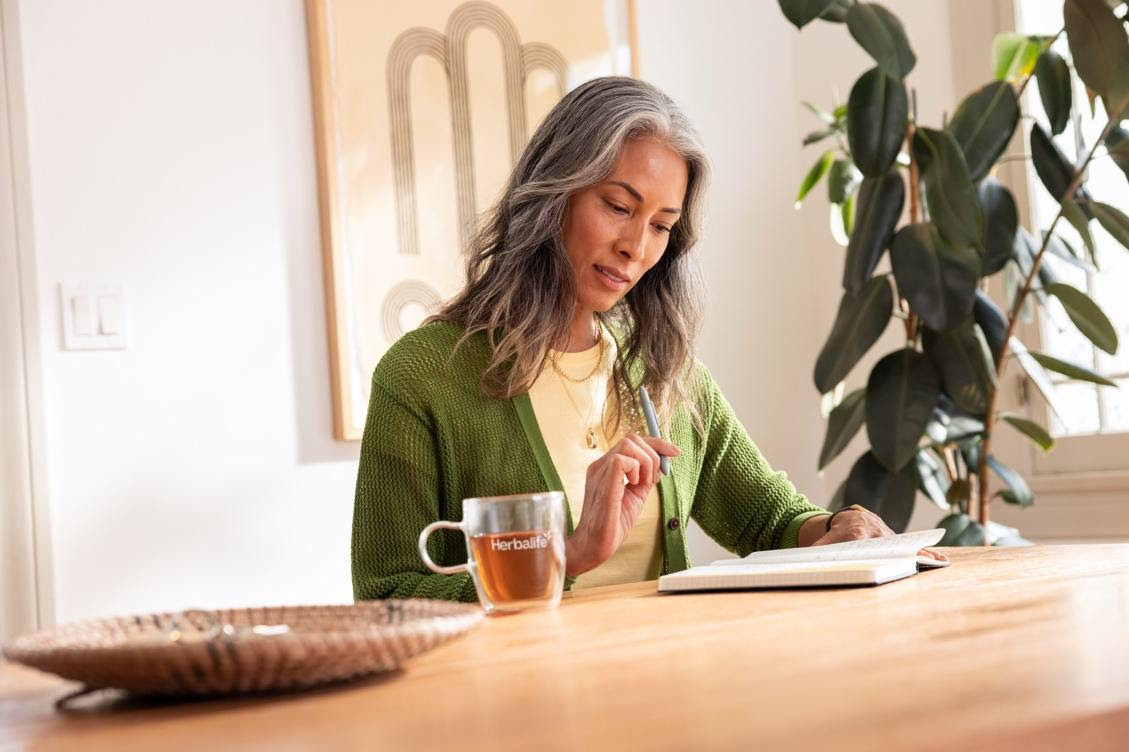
(617,208)
(662,228)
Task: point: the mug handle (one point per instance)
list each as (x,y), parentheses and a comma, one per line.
(427,531)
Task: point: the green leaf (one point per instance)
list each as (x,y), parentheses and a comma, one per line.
(1117,142)
(962,357)
(815,174)
(970,453)
(1030,429)
(837,11)
(1018,491)
(948,425)
(1100,51)
(937,278)
(932,480)
(1051,164)
(816,136)
(847,213)
(820,113)
(949,192)
(1014,56)
(1001,220)
(900,395)
(1113,220)
(1025,251)
(880,33)
(1073,214)
(1038,376)
(861,319)
(992,322)
(1053,77)
(880,201)
(983,125)
(1086,315)
(1073,370)
(803,12)
(837,226)
(842,181)
(842,425)
(877,115)
(961,530)
(889,495)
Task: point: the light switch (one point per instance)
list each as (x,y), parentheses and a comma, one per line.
(93,316)
(83,313)
(109,314)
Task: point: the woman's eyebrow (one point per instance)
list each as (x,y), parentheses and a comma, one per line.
(639,196)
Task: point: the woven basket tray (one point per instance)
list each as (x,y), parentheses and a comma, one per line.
(243,650)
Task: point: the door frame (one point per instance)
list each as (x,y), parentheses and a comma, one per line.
(26,582)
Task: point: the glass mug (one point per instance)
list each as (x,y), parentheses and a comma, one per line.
(515,549)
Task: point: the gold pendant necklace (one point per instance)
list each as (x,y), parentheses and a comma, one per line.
(585,418)
(590,440)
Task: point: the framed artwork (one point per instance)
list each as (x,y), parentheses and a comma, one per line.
(421,110)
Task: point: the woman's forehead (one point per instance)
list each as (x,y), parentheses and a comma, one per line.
(652,171)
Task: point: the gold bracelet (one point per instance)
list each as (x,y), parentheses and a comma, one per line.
(851,508)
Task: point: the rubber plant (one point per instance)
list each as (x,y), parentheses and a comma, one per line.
(931,407)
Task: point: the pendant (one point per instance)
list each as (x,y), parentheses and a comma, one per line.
(590,438)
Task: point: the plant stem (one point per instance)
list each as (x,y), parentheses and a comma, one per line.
(914,217)
(1013,319)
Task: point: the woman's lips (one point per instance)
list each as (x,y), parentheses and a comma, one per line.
(611,279)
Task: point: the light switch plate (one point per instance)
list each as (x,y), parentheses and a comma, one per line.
(93,316)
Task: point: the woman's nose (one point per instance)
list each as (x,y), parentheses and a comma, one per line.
(632,242)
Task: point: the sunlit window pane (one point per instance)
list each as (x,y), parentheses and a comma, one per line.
(1111,290)
(1080,404)
(1117,406)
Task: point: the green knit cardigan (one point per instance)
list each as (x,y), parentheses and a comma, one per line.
(432,438)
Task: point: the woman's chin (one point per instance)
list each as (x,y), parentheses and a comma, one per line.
(602,304)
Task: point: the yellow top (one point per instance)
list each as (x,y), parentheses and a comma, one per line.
(565,411)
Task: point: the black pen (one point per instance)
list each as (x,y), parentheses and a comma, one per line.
(653,425)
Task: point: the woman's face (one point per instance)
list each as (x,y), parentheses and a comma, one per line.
(616,230)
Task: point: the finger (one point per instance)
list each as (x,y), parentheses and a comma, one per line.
(932,554)
(646,457)
(653,459)
(629,466)
(662,446)
(831,536)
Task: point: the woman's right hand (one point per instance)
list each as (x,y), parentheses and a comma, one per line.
(615,489)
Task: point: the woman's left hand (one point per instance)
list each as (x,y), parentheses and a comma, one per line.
(848,525)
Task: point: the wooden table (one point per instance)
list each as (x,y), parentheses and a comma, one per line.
(1007,649)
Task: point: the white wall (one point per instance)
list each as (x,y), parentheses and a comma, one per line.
(171,149)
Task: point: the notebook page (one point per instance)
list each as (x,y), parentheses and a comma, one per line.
(891,546)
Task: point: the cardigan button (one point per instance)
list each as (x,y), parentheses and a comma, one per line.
(674,523)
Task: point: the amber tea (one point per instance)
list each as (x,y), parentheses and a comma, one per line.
(515,566)
(515,547)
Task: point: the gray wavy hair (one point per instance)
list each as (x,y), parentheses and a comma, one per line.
(520,286)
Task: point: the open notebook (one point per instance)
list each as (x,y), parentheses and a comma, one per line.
(872,561)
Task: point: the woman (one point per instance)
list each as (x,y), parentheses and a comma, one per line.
(579,287)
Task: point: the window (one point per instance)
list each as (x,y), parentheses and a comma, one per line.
(1093,422)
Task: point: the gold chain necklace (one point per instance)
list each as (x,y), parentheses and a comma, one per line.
(589,430)
(599,361)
